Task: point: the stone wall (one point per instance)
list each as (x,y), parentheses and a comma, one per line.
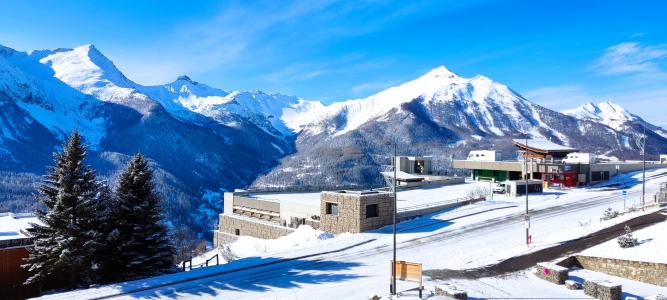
(352,211)
(603,290)
(551,272)
(653,273)
(250,227)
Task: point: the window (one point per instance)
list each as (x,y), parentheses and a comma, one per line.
(237,231)
(332,208)
(371,211)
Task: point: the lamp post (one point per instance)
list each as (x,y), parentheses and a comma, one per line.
(644,169)
(392,286)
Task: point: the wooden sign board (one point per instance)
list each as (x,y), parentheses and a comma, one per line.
(408,271)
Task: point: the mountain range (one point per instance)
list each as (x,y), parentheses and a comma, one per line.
(203,140)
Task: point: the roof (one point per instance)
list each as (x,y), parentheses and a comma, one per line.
(400,175)
(541,144)
(13,226)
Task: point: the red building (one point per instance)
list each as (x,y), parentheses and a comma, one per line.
(15,243)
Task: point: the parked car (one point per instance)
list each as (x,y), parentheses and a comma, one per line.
(499,189)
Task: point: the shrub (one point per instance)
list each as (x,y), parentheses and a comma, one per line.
(627,240)
(609,214)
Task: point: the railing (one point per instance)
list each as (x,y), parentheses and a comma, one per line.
(201,265)
(187,261)
(217,260)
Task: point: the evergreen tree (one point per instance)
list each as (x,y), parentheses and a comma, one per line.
(64,245)
(106,259)
(143,246)
(627,240)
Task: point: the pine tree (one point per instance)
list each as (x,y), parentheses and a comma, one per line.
(65,243)
(143,246)
(627,240)
(106,259)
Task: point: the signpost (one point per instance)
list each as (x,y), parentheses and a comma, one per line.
(625,196)
(408,271)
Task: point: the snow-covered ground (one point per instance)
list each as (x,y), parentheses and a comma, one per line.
(652,246)
(406,198)
(353,266)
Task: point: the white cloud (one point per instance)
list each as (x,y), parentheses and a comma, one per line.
(631,58)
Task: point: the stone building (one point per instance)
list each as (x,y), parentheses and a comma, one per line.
(256,215)
(355,211)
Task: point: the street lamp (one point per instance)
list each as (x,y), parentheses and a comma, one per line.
(392,286)
(644,169)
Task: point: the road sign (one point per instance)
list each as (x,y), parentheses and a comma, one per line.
(408,271)
(625,193)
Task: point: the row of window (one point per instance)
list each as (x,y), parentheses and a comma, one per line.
(371,210)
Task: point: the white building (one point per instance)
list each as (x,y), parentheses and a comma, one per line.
(580,158)
(663,158)
(484,155)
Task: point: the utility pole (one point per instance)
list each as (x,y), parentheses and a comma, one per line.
(526,217)
(392,286)
(644,169)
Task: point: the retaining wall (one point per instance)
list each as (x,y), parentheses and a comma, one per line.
(249,226)
(648,272)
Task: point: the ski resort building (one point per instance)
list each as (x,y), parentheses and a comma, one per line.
(551,163)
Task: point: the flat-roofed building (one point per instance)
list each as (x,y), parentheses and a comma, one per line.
(554,164)
(15,244)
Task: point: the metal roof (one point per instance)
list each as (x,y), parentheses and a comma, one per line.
(542,144)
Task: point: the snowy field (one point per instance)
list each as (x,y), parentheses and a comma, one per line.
(311,264)
(652,246)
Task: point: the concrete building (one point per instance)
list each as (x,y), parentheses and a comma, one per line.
(552,164)
(661,196)
(416,171)
(421,165)
(484,155)
(580,158)
(518,187)
(336,212)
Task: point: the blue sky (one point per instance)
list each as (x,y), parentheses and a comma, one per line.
(557,53)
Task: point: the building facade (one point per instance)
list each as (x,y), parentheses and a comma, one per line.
(246,214)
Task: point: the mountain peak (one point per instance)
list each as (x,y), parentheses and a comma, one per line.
(441,71)
(607,112)
(186,78)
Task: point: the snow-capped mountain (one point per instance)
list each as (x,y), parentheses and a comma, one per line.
(46,94)
(189,100)
(202,139)
(440,114)
(612,115)
(491,108)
